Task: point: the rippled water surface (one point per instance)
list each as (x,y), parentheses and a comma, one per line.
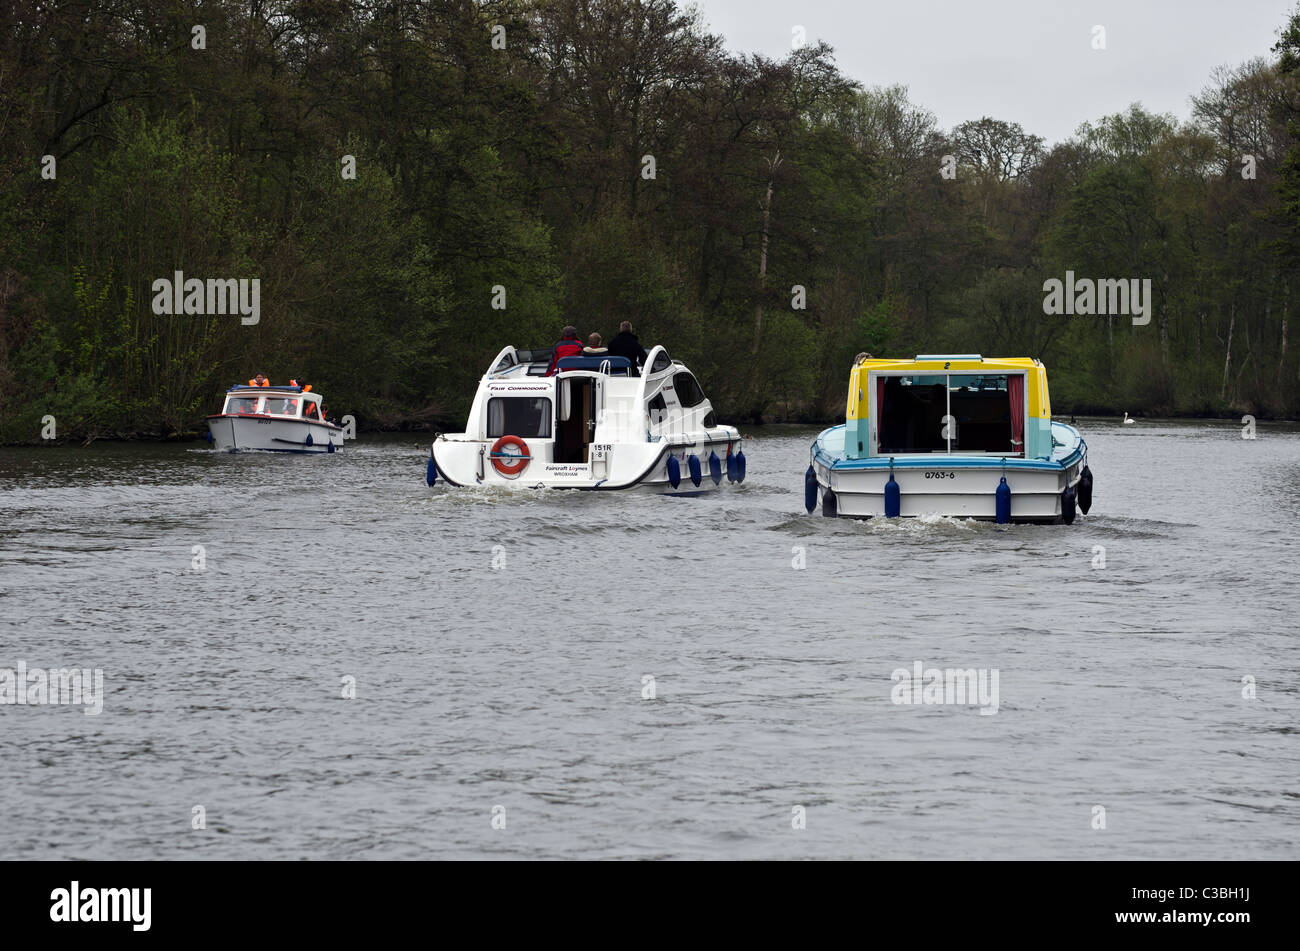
(521,686)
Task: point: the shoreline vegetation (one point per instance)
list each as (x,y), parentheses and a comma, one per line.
(201,437)
(378,197)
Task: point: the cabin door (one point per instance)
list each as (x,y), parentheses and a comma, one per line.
(576,419)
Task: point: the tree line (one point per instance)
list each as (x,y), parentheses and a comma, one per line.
(417,183)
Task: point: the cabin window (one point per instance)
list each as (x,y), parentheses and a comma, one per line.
(662,362)
(524,416)
(282,406)
(980,406)
(688,390)
(657,409)
(947,413)
(242,404)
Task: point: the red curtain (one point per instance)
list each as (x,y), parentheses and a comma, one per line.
(1016,392)
(880,413)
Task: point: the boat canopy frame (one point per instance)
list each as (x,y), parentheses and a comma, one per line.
(863,414)
(874,377)
(259,393)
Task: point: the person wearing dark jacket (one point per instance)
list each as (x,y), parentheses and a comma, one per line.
(569,346)
(625,344)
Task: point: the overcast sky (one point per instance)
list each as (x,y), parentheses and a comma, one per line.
(1026,61)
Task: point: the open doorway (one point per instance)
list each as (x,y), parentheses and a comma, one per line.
(576,418)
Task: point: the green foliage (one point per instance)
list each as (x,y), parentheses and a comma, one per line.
(481,171)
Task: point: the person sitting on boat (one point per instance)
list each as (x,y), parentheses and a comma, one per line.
(625,344)
(310,411)
(593,347)
(569,346)
(259,380)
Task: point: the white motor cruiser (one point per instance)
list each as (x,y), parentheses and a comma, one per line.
(589,422)
(273,419)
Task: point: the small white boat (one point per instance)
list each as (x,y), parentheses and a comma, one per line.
(594,424)
(950,435)
(273,419)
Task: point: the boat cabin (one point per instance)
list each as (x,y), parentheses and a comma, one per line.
(588,400)
(957,405)
(283,402)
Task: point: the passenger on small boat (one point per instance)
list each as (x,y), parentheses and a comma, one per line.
(259,380)
(593,347)
(625,344)
(569,346)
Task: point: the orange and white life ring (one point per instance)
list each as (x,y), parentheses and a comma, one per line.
(510,465)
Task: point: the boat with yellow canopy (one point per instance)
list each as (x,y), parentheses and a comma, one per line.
(956,435)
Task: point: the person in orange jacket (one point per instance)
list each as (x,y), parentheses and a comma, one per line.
(259,380)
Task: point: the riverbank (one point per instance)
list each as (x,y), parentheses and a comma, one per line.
(198,436)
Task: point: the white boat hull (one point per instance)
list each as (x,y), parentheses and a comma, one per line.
(265,434)
(643,466)
(955,487)
(957,493)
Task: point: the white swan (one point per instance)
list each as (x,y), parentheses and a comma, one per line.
(1127,421)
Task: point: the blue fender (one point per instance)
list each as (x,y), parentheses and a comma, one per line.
(1085,490)
(740,466)
(810,489)
(309,440)
(1067,506)
(893,495)
(732,466)
(693,466)
(715,468)
(431,471)
(674,472)
(1003,502)
(329,446)
(893,498)
(830,503)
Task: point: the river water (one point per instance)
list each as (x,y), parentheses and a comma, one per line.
(499,646)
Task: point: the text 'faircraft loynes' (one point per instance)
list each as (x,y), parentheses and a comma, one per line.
(589,422)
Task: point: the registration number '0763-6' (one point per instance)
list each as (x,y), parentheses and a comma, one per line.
(935,474)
